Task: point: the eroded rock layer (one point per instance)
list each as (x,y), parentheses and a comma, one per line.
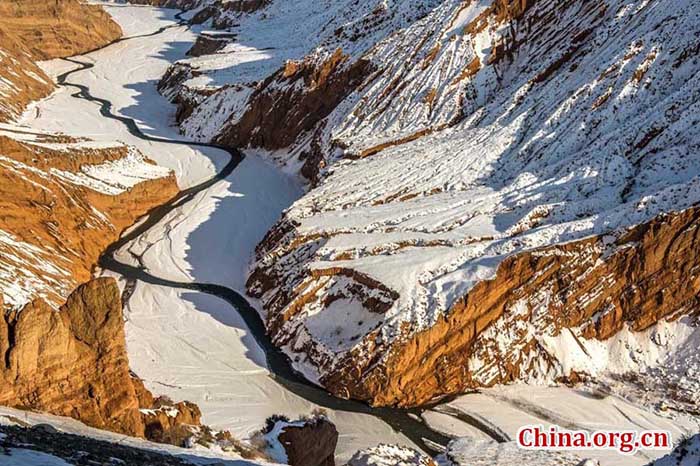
(63,202)
(470,226)
(508,327)
(476,168)
(59,28)
(33,30)
(73,362)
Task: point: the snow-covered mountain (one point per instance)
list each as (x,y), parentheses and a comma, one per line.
(501,190)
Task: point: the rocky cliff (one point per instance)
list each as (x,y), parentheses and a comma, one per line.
(33,30)
(307,442)
(73,362)
(530,317)
(63,201)
(21,80)
(60,28)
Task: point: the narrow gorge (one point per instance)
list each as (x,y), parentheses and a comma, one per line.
(418,224)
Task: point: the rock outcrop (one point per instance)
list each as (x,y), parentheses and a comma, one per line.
(294,100)
(487,215)
(62,204)
(73,362)
(21,80)
(33,30)
(308,442)
(588,289)
(63,201)
(208,44)
(60,28)
(77,450)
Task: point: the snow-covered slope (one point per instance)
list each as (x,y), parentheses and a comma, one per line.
(34,439)
(63,200)
(686,453)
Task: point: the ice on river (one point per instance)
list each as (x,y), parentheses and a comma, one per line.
(126,74)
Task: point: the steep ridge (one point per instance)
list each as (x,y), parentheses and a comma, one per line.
(57,29)
(478,186)
(63,202)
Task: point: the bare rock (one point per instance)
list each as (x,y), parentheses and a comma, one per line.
(309,442)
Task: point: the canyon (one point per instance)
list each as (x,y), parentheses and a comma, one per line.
(64,200)
(456,217)
(470,165)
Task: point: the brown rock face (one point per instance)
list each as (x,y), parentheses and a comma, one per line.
(69,361)
(51,219)
(33,30)
(73,362)
(168,422)
(279,111)
(590,288)
(57,28)
(647,274)
(28,81)
(312,444)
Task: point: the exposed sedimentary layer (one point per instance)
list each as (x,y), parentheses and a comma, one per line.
(530,317)
(33,30)
(73,362)
(63,201)
(60,28)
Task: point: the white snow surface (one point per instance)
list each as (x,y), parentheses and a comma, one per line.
(390,455)
(129,82)
(575,135)
(506,409)
(115,177)
(464,452)
(283,31)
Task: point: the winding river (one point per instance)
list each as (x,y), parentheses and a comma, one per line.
(408,422)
